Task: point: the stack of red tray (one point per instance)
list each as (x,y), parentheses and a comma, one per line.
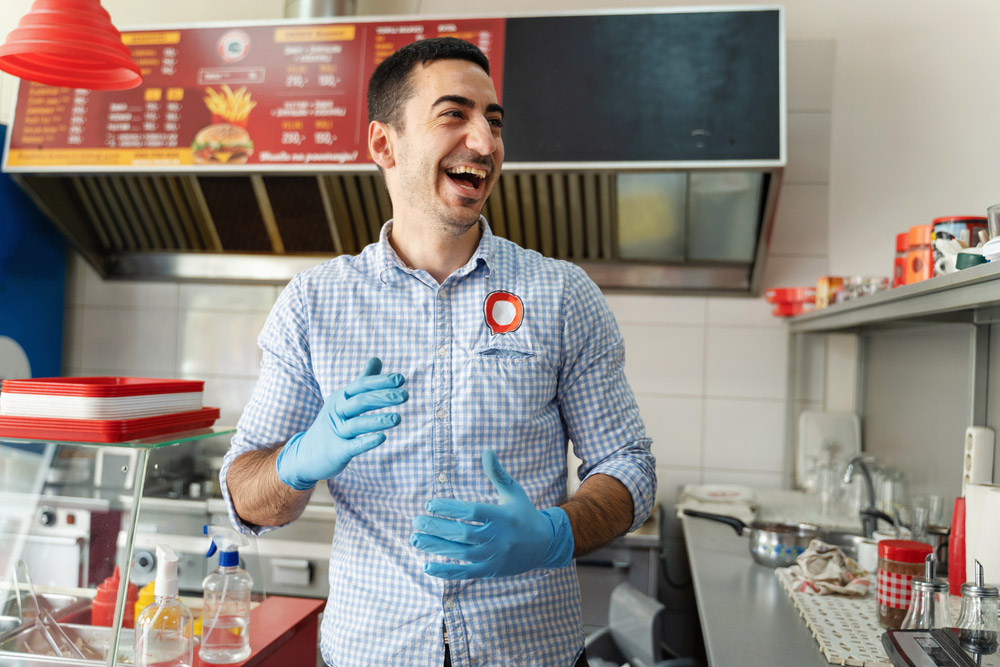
(790,301)
(101,409)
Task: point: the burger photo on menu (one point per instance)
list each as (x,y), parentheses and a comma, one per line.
(226,140)
(222,143)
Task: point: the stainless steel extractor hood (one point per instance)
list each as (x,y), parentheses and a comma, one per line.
(649,186)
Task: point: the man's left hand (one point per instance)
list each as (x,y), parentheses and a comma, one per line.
(503,540)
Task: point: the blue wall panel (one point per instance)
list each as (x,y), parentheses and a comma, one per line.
(32,285)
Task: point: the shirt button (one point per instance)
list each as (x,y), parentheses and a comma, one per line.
(442,295)
(449,604)
(442,478)
(443,351)
(441,413)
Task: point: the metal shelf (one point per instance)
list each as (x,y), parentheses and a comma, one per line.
(971,295)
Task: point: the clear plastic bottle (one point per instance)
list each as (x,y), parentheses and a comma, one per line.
(225,626)
(163,631)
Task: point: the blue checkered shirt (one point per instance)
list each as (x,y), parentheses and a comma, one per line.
(559,376)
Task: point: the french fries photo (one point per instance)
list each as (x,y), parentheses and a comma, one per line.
(231,107)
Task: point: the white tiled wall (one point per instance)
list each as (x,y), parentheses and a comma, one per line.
(710,374)
(205,332)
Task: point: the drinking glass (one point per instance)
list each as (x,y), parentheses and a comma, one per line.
(830,489)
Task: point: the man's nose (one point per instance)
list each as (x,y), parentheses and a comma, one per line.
(480,137)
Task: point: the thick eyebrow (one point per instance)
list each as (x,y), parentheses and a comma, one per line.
(467,103)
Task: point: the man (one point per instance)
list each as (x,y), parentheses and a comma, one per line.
(454,537)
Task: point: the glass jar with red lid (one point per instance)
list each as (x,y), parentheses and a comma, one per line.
(964,228)
(899,563)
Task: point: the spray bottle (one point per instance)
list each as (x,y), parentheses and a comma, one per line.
(163,630)
(225,626)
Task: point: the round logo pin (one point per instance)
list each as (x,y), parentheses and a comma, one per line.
(233,46)
(504,312)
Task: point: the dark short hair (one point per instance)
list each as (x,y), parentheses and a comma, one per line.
(391,85)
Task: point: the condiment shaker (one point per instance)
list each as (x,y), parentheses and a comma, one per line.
(978,622)
(929,603)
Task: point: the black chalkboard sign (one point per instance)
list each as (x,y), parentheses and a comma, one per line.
(643,87)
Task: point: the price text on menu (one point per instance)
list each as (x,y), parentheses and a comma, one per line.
(254,97)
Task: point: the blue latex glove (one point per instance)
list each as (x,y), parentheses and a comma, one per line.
(341,430)
(507,539)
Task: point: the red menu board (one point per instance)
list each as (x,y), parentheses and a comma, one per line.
(253,97)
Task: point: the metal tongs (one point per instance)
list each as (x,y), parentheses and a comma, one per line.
(37,603)
(45,626)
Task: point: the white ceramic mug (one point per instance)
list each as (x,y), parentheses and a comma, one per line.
(868,554)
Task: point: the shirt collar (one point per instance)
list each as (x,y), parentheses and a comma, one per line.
(386,258)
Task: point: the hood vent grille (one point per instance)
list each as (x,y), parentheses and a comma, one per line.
(567,215)
(254,228)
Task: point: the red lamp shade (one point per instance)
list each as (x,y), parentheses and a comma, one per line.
(71,44)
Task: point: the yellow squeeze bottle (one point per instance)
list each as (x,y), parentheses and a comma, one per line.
(145,598)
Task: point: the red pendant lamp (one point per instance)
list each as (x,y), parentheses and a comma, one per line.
(71,44)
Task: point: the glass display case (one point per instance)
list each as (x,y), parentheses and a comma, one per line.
(69,562)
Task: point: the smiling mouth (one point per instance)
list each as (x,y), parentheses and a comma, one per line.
(469,178)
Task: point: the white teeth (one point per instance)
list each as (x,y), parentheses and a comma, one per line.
(462,169)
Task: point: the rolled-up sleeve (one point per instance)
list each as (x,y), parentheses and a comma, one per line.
(596,401)
(285,399)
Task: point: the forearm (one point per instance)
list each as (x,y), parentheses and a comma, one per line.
(259,497)
(599,511)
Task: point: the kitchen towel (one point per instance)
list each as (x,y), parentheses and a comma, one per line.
(824,569)
(982,530)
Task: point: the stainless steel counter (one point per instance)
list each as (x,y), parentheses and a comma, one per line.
(746,617)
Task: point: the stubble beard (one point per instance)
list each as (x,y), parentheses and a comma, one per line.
(451,223)
(456,227)
(444,218)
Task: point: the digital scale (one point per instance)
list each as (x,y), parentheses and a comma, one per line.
(939,647)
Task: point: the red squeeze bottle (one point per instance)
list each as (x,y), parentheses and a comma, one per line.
(956,548)
(102,610)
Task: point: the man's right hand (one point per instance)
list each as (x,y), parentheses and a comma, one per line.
(341,431)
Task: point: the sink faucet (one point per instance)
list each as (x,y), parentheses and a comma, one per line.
(869,515)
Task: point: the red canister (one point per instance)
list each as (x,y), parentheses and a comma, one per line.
(899,563)
(956,548)
(920,254)
(899,263)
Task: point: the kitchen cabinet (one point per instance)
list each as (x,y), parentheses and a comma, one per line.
(633,558)
(921,366)
(68,516)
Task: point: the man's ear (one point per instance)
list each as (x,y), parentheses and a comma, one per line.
(380,144)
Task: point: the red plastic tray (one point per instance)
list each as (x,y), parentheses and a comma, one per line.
(791,309)
(790,295)
(111,430)
(101,386)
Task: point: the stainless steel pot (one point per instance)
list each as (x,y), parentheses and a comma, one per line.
(772,543)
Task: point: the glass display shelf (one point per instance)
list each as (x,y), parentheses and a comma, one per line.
(69,513)
(164,440)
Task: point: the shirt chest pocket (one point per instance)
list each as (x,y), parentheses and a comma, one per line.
(500,354)
(509,389)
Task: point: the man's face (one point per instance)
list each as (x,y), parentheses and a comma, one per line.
(448,154)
